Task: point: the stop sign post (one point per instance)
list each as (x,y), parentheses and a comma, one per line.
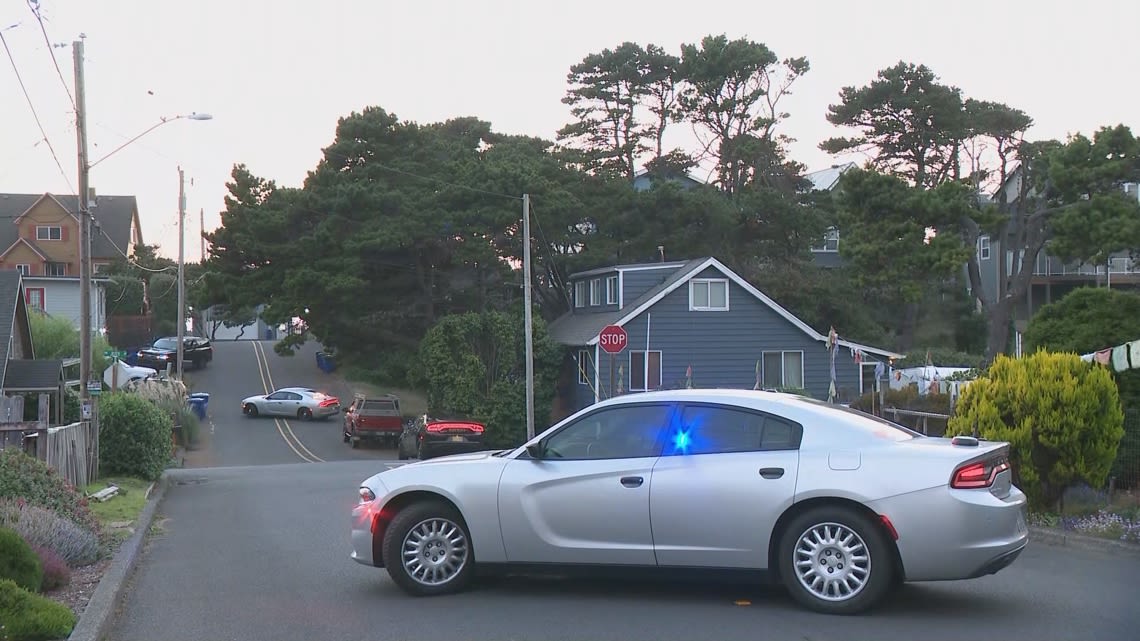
(613,340)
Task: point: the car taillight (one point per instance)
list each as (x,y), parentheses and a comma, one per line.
(978,475)
(475,428)
(329,402)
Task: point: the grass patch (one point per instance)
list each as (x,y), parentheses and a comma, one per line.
(412,402)
(124,506)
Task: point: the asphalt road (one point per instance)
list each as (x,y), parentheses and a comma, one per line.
(244,368)
(259,550)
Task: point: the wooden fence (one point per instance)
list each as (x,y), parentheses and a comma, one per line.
(71,450)
(919,421)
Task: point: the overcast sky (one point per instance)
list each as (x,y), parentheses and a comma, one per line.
(276,74)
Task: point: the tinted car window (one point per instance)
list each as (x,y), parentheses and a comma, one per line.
(711,429)
(625,431)
(389,406)
(166,343)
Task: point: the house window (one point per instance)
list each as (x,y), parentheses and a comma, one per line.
(34,297)
(637,370)
(596,291)
(584,367)
(612,290)
(830,242)
(707,294)
(49,232)
(783,370)
(580,293)
(55,269)
(24,269)
(97,268)
(983,247)
(867,383)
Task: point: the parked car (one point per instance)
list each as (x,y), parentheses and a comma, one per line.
(299,402)
(376,418)
(838,505)
(196,350)
(428,437)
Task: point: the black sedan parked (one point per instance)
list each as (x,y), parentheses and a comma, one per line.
(427,437)
(196,351)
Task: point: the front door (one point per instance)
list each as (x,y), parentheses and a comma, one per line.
(723,479)
(586,500)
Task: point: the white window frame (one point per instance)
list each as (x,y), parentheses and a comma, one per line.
(42,291)
(583,367)
(983,247)
(595,292)
(709,282)
(611,290)
(783,367)
(48,228)
(48,269)
(641,370)
(580,294)
(24,268)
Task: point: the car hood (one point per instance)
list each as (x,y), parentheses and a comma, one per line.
(248,399)
(428,473)
(158,350)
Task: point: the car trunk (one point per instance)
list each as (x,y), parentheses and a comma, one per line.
(379,416)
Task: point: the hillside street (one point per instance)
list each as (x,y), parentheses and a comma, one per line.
(256,547)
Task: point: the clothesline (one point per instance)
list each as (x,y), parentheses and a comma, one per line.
(1120,358)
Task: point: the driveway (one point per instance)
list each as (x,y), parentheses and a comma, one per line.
(261,552)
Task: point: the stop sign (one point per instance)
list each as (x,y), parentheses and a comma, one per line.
(613,339)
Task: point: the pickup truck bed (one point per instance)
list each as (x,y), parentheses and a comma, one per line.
(373,418)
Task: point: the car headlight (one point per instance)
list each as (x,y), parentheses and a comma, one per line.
(366,495)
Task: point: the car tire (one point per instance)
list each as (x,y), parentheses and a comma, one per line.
(849,545)
(251,410)
(414,528)
(305,414)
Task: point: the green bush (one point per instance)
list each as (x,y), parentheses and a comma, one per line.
(18,561)
(1061,416)
(28,478)
(191,427)
(30,617)
(134,436)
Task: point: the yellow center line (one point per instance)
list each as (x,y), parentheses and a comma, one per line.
(265,385)
(308,454)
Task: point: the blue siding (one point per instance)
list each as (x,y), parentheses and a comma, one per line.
(588,308)
(723,347)
(637,282)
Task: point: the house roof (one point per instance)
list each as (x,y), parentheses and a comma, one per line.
(628,268)
(30,244)
(27,375)
(826,179)
(113,216)
(582,329)
(10,298)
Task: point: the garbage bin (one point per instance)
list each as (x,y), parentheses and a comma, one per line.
(322,362)
(199,402)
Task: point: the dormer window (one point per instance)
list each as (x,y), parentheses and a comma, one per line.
(49,232)
(612,290)
(580,294)
(596,291)
(708,294)
(830,242)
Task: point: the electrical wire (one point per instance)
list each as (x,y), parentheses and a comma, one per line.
(34,5)
(35,115)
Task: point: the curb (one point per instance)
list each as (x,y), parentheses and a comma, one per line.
(94,620)
(1061,538)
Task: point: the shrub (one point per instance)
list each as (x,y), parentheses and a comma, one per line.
(25,477)
(29,617)
(134,437)
(40,527)
(18,562)
(56,573)
(1061,416)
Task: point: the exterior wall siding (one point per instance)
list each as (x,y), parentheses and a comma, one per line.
(61,298)
(722,347)
(587,308)
(637,282)
(48,212)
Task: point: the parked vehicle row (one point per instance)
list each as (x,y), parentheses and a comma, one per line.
(196,351)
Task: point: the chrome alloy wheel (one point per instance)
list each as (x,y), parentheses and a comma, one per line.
(832,562)
(435,550)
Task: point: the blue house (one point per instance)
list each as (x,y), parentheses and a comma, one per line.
(698,323)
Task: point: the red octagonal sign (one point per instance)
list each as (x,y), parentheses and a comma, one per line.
(613,339)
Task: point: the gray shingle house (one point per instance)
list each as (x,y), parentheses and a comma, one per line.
(701,324)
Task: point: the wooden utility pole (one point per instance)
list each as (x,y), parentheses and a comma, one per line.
(83,199)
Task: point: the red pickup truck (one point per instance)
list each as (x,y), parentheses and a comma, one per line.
(374,418)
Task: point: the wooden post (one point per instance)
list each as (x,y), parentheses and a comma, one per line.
(115,374)
(611,375)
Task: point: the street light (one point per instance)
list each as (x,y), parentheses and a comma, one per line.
(84,198)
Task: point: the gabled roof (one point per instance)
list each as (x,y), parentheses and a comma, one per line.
(114,217)
(28,375)
(633,267)
(11,304)
(582,329)
(30,244)
(827,179)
